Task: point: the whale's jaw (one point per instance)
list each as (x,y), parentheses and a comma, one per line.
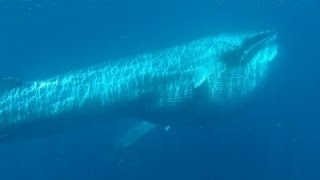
(249,48)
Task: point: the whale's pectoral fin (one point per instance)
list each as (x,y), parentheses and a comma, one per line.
(137,131)
(10,83)
(132,137)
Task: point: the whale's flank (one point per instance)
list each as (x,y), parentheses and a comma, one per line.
(170,76)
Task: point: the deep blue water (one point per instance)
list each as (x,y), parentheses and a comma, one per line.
(276,135)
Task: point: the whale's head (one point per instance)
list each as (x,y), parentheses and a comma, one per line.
(239,63)
(243,49)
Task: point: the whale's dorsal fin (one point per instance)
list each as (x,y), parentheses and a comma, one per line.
(10,83)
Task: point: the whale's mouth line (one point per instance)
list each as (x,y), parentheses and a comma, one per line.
(251,46)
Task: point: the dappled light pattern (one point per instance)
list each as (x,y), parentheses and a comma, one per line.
(171,75)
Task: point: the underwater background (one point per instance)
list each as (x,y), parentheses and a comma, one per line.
(276,135)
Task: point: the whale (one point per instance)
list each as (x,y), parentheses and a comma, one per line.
(189,79)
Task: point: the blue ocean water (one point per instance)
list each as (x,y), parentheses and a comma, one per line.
(276,135)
